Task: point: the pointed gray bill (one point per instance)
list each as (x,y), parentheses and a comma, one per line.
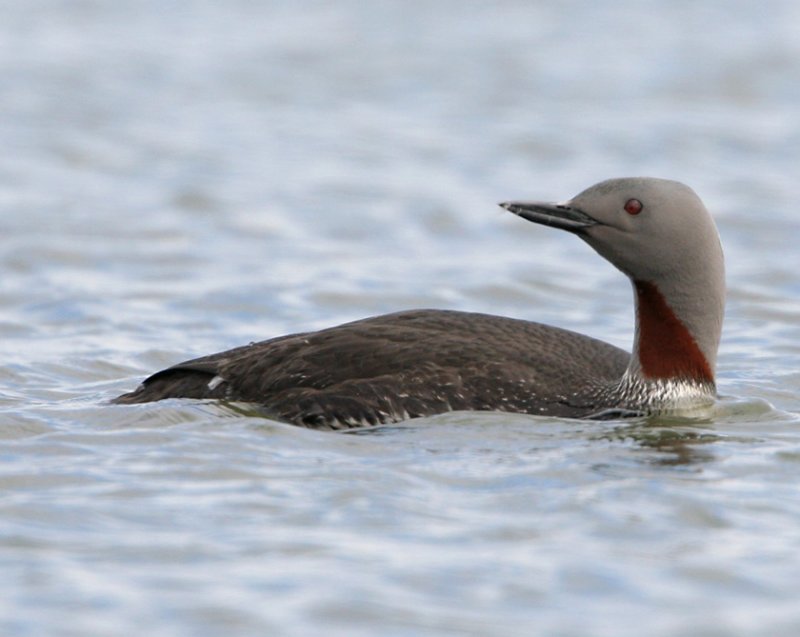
(551,214)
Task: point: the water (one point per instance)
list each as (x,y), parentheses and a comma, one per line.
(178,178)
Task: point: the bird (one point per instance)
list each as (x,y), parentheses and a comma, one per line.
(418,363)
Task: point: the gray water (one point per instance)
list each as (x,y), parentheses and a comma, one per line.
(181,177)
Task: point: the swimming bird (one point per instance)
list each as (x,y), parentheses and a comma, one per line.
(423,362)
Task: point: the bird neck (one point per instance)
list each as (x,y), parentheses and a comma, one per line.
(676,337)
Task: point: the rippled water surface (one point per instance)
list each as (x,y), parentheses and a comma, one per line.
(178,178)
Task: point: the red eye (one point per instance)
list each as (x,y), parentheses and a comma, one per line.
(633,206)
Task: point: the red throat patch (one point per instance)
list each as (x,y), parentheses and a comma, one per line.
(666,348)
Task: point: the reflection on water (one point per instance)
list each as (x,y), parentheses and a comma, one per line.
(680,440)
(679,444)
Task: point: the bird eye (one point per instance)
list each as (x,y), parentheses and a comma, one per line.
(633,206)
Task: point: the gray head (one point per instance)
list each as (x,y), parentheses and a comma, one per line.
(660,234)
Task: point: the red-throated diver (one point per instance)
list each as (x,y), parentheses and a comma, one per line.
(423,362)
